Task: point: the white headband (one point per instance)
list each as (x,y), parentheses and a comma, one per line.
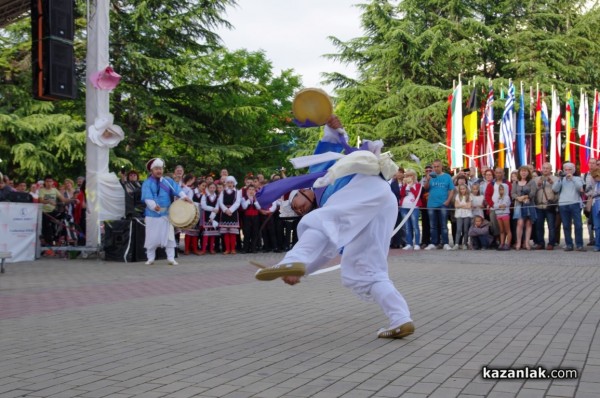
(158,162)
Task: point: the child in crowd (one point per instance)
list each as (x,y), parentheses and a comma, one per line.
(409,198)
(463,215)
(208,204)
(191,234)
(501,206)
(480,233)
(219,242)
(251,219)
(477,200)
(229,203)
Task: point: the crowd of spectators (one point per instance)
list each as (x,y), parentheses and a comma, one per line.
(531,210)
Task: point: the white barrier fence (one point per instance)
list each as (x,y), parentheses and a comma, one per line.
(20,227)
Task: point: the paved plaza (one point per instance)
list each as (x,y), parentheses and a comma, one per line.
(206,328)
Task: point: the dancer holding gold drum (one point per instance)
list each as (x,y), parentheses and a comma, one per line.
(157,192)
(351,216)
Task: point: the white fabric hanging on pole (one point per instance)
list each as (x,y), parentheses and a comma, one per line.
(102,203)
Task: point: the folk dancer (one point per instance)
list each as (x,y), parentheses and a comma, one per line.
(157,192)
(353,217)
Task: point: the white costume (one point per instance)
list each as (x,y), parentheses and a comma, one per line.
(159,231)
(356,219)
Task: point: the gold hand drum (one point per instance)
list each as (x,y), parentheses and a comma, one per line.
(312,104)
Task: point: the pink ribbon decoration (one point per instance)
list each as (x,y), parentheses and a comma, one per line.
(105,79)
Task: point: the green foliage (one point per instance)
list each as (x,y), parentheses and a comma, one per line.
(182,97)
(413,50)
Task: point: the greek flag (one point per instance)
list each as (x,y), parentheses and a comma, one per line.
(507,128)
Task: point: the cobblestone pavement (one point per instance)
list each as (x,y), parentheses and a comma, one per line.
(207,328)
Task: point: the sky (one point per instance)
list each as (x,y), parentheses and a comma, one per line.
(293,34)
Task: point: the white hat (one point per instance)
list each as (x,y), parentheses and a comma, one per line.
(155,162)
(286,206)
(231,179)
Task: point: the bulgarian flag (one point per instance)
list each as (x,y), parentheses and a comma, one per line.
(570,130)
(583,130)
(457,139)
(538,134)
(470,124)
(555,129)
(449,130)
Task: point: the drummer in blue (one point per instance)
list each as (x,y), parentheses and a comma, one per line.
(157,193)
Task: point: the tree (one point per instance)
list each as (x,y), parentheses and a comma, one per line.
(413,51)
(36,137)
(183,96)
(190,100)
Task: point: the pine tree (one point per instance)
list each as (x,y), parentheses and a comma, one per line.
(412,52)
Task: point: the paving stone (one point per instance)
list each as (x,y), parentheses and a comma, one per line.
(89,328)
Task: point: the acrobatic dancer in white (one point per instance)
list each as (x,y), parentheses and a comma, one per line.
(352,216)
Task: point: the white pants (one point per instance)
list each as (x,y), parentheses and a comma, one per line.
(358,218)
(159,233)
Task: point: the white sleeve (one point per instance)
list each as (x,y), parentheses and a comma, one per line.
(150,203)
(220,204)
(238,200)
(333,135)
(245,203)
(203,204)
(273,207)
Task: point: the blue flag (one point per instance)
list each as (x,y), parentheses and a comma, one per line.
(521,153)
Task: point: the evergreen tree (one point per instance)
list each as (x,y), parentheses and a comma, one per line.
(183,96)
(412,52)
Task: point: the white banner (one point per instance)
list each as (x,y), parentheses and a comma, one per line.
(20,227)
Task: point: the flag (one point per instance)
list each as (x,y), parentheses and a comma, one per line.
(470,123)
(555,129)
(449,130)
(595,137)
(583,130)
(457,137)
(570,129)
(531,104)
(507,131)
(538,133)
(546,126)
(489,127)
(521,155)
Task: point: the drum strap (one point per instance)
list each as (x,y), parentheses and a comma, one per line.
(164,184)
